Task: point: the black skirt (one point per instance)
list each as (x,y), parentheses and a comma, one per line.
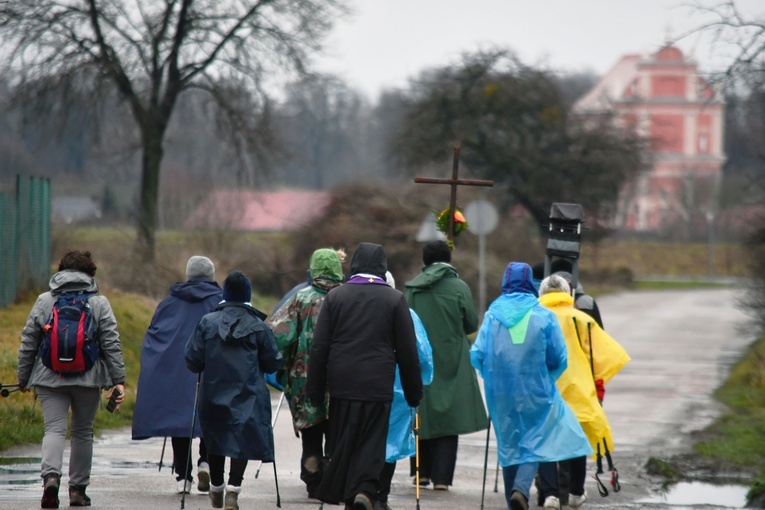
(356,449)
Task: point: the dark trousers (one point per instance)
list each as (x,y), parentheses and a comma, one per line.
(574,471)
(547,476)
(312,459)
(438,457)
(386,478)
(181,455)
(217,465)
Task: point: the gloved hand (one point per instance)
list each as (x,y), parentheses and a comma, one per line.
(273,381)
(600,389)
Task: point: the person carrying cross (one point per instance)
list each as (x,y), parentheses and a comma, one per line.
(452,404)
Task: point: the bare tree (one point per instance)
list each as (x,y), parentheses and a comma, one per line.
(152,51)
(731,30)
(744,78)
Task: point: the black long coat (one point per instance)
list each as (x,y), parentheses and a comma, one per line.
(362,332)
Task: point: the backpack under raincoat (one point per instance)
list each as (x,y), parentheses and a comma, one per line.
(577,383)
(293,325)
(233,347)
(452,404)
(520,352)
(165,400)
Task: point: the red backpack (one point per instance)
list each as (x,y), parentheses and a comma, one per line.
(70,346)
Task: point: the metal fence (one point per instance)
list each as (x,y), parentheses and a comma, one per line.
(25,238)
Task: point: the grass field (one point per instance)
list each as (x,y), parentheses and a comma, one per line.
(738,437)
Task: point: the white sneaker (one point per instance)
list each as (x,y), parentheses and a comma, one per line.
(183,486)
(552,502)
(203,477)
(577,501)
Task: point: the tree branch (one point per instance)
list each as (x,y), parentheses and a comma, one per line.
(113,67)
(202,66)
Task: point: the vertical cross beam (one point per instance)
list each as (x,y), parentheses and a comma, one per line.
(453,182)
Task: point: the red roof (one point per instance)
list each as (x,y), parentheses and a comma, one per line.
(259,211)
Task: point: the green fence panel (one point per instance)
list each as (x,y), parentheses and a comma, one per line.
(9,282)
(25,234)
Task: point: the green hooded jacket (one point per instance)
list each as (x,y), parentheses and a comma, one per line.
(293,326)
(452,404)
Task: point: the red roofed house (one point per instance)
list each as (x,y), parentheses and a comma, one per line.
(270,211)
(665,99)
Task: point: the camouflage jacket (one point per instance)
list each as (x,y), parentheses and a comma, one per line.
(293,326)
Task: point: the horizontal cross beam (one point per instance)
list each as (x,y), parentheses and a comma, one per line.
(458,182)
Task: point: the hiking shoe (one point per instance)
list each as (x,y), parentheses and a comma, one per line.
(50,492)
(575,501)
(440,487)
(552,503)
(216,496)
(203,477)
(424,482)
(518,501)
(362,502)
(232,497)
(77,496)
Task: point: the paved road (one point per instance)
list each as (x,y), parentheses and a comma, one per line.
(681,343)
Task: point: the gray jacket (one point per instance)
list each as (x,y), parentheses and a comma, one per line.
(109,368)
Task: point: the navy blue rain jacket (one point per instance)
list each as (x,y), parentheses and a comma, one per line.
(165,398)
(233,348)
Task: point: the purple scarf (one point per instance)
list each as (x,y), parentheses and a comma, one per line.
(366,279)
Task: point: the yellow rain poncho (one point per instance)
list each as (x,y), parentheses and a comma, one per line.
(577,383)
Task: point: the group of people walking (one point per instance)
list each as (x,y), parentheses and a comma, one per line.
(361,364)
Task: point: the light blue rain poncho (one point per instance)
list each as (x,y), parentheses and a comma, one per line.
(520,352)
(400,444)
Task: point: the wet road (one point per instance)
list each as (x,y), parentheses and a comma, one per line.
(681,343)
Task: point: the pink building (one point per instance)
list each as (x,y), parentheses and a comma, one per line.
(664,98)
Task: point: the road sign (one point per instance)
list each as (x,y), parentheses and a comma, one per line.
(429,231)
(482,217)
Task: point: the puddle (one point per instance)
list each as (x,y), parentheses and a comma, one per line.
(699,493)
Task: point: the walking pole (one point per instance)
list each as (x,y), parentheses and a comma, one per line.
(485,462)
(276,480)
(162,455)
(496,474)
(191,436)
(417,456)
(273,424)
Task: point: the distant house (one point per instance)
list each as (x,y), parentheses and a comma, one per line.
(258,211)
(75,209)
(663,97)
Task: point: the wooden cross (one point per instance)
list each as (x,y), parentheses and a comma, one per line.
(453,182)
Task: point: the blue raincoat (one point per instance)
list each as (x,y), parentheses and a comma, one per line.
(400,443)
(233,347)
(520,352)
(165,398)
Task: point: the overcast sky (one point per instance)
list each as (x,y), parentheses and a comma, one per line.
(383,43)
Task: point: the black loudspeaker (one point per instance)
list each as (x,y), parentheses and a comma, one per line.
(565,234)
